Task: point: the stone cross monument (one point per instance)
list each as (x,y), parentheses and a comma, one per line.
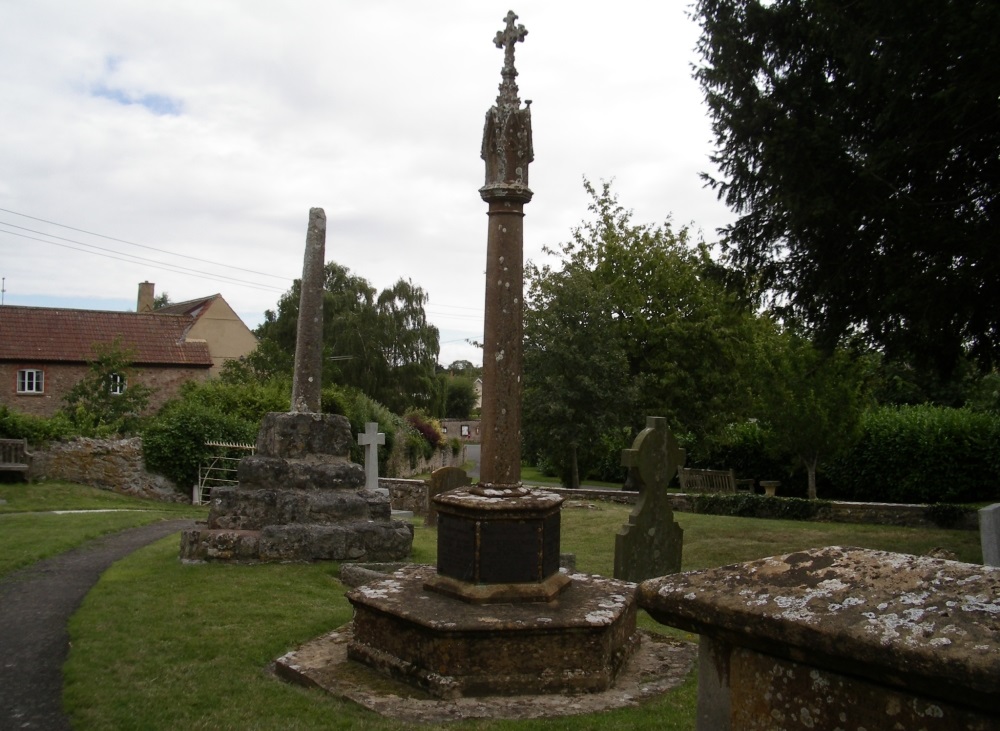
(370,440)
(307,380)
(507,150)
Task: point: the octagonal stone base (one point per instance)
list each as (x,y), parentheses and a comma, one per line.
(576,643)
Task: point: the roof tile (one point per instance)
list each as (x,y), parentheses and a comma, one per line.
(55,334)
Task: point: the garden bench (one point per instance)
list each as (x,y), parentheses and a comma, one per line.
(15,457)
(693,480)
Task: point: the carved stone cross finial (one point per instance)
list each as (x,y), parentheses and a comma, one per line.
(370,440)
(506,39)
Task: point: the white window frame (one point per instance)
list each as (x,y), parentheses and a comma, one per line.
(30,380)
(117,384)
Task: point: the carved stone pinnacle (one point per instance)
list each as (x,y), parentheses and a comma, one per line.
(506,39)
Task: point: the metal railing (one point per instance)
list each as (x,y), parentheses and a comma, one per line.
(218,468)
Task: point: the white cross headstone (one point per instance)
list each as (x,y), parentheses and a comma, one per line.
(370,440)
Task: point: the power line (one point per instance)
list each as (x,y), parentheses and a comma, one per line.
(139,260)
(142,246)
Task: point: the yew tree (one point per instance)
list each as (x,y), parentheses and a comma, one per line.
(859,144)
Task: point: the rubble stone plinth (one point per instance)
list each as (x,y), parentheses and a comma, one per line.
(576,644)
(300,498)
(840,638)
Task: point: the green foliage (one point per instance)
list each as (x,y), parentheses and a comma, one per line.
(460,397)
(267,362)
(810,400)
(107,400)
(747,449)
(747,505)
(380,343)
(174,442)
(35,429)
(633,323)
(922,454)
(851,142)
(359,410)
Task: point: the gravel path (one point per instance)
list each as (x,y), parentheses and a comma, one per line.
(35,605)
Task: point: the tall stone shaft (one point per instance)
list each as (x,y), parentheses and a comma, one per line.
(307,381)
(507,150)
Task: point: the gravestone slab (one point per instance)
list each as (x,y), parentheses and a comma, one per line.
(989,534)
(650,544)
(840,638)
(443,480)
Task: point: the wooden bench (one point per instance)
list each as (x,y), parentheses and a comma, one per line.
(15,457)
(693,480)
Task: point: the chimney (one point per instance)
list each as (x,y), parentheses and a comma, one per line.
(146,296)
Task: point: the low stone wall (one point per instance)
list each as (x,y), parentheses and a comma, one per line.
(910,516)
(399,463)
(108,464)
(406,494)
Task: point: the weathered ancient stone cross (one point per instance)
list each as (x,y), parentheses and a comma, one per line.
(506,39)
(510,35)
(370,440)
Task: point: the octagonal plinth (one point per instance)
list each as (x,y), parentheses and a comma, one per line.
(498,545)
(577,643)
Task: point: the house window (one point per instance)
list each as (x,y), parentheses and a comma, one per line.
(444,429)
(30,380)
(465,430)
(116,384)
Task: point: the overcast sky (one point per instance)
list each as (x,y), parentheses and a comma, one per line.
(196,135)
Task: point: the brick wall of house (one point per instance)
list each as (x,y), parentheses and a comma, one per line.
(61,377)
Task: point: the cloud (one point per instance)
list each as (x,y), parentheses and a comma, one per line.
(208,130)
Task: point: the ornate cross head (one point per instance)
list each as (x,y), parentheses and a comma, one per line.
(506,39)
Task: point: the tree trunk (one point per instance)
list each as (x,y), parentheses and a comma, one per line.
(574,476)
(811,470)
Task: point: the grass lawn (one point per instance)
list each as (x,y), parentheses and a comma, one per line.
(162,645)
(28,533)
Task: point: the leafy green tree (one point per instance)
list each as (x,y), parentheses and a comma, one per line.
(460,397)
(108,399)
(381,344)
(577,381)
(812,401)
(640,295)
(860,145)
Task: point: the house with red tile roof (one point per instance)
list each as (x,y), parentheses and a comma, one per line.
(45,351)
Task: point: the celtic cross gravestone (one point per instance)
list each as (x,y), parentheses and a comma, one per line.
(650,544)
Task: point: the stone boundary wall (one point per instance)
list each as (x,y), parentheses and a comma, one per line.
(109,464)
(406,494)
(117,465)
(910,516)
(398,464)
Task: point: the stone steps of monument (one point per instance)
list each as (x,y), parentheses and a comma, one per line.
(389,540)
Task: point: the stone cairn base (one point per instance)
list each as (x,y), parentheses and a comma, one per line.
(299,498)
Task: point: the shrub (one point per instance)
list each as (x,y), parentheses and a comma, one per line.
(173,442)
(922,454)
(746,505)
(745,449)
(35,429)
(429,429)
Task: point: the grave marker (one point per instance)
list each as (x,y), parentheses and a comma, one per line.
(370,439)
(442,480)
(651,543)
(989,534)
